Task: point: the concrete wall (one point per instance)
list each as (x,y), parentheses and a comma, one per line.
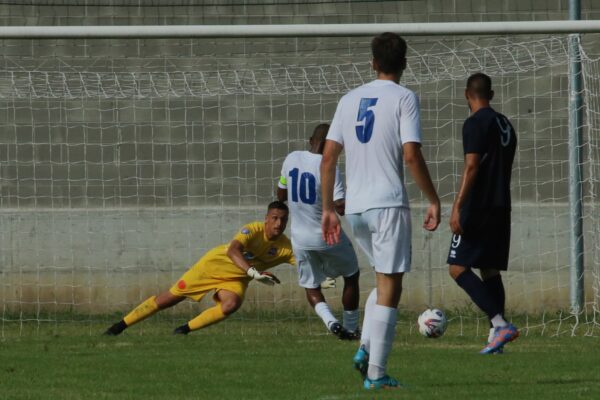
(104,260)
(111,187)
(123,12)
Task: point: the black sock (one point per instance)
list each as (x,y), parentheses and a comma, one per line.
(183,329)
(495,288)
(478,293)
(117,328)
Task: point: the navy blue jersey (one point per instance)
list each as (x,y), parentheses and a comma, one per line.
(492,136)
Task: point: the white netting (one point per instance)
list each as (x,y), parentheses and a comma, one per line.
(140,79)
(119,171)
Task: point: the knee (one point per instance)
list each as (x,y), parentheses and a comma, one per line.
(230,306)
(487,274)
(314,296)
(352,280)
(166,300)
(455,271)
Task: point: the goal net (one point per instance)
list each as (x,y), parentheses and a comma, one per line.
(123,161)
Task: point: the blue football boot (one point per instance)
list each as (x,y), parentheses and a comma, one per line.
(361,361)
(503,335)
(386,382)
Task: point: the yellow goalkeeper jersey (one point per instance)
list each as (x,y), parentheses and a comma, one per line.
(260,252)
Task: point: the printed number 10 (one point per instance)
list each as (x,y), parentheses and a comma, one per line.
(308,186)
(365,115)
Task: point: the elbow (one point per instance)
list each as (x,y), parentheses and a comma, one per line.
(340,207)
(231,251)
(471,169)
(412,154)
(410,160)
(281,194)
(327,162)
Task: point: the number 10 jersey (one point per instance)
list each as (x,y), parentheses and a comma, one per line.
(300,175)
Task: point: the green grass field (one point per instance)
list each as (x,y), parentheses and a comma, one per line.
(245,360)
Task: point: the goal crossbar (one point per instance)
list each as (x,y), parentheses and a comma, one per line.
(298,30)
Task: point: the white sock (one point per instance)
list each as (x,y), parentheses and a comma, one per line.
(491,335)
(323,311)
(383,329)
(498,321)
(366,328)
(351,320)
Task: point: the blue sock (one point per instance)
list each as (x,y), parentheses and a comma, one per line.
(495,288)
(478,293)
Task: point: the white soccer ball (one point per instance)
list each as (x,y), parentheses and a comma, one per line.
(432,323)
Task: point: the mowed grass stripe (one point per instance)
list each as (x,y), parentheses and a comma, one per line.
(226,363)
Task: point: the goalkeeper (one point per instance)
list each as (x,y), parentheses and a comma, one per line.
(227,269)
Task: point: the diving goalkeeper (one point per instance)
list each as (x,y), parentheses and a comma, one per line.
(227,269)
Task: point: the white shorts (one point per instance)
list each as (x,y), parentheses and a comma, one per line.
(316,265)
(384,234)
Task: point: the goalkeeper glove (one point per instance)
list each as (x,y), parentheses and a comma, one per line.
(263,277)
(328,283)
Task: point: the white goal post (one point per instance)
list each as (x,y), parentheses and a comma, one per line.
(128,151)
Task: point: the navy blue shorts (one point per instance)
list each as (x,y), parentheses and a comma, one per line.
(485,242)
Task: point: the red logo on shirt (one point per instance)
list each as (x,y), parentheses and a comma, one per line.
(181,284)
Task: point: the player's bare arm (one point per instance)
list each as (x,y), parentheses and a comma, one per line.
(340,206)
(330,223)
(282,194)
(236,254)
(415,162)
(468,179)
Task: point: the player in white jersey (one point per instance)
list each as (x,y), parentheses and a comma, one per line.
(300,185)
(378,126)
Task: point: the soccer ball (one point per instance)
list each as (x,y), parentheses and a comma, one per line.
(432,323)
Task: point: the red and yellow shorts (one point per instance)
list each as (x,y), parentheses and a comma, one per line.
(201,279)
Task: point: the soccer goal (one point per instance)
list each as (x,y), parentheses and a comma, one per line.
(124,159)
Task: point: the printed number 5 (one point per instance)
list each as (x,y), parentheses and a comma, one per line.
(364,131)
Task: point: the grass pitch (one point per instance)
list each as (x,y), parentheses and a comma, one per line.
(245,360)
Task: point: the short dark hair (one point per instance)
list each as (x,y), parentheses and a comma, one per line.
(480,85)
(278,205)
(389,52)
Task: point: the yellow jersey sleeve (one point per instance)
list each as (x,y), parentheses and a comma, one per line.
(292,259)
(286,255)
(248,233)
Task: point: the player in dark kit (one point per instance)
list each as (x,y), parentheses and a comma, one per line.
(480,219)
